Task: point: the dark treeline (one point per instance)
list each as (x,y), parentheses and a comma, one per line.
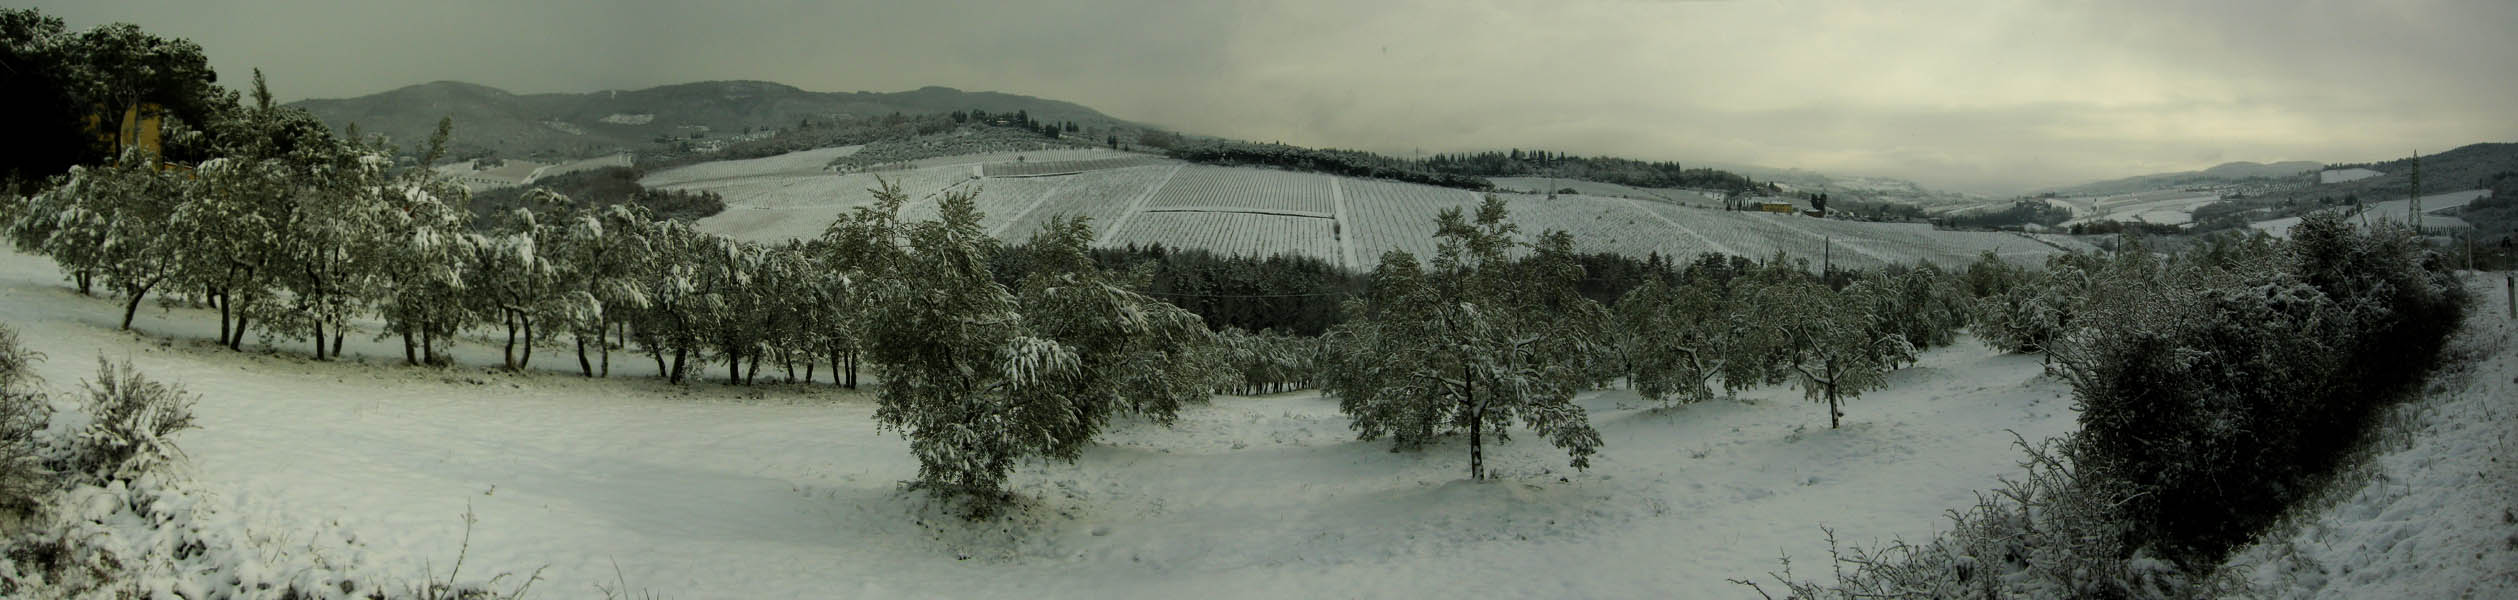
(1352,163)
(1289,294)
(807,135)
(1305,296)
(2023,212)
(1621,171)
(599,188)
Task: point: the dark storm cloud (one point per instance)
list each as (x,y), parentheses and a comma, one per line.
(1981,96)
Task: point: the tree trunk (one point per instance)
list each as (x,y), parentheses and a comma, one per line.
(1477,428)
(243,320)
(852,368)
(606,346)
(220,298)
(428,347)
(510,318)
(1834,414)
(407,358)
(582,364)
(678,354)
(339,330)
(129,308)
(734,366)
(808,370)
(319,339)
(752,373)
(659,354)
(527,361)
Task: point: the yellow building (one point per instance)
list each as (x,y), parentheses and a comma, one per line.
(142,125)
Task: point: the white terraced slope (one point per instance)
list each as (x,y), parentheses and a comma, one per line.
(1145,200)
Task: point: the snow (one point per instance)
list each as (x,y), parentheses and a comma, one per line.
(2344,175)
(791,196)
(2435,517)
(802,162)
(789,491)
(2394,211)
(2168,207)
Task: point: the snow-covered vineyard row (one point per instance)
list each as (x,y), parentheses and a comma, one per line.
(1372,216)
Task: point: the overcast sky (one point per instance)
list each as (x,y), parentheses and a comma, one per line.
(1986,96)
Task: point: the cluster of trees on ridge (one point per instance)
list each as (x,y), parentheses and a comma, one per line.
(1351,163)
(1608,169)
(603,187)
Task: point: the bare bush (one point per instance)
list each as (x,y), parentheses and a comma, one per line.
(132,421)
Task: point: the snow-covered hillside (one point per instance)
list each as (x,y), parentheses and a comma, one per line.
(2344,175)
(777,492)
(2396,211)
(2435,513)
(1242,210)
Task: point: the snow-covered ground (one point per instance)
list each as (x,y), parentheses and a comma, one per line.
(800,163)
(2394,211)
(708,491)
(2169,207)
(2436,517)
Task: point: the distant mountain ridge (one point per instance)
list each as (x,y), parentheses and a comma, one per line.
(573,125)
(2222,173)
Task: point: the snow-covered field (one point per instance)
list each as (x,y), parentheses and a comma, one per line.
(2165,207)
(779,198)
(708,491)
(807,162)
(2395,211)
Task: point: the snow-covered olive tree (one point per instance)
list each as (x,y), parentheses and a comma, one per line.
(228,228)
(605,250)
(320,252)
(979,378)
(1462,345)
(62,222)
(418,252)
(670,322)
(1136,354)
(1828,341)
(1677,339)
(514,279)
(970,386)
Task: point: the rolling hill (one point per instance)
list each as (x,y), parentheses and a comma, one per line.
(575,125)
(2232,172)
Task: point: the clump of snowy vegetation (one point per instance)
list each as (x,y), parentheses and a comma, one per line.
(2216,386)
(23,414)
(980,376)
(1470,343)
(102,508)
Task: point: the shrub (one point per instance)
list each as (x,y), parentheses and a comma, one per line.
(131,421)
(2046,534)
(2216,390)
(23,413)
(2226,387)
